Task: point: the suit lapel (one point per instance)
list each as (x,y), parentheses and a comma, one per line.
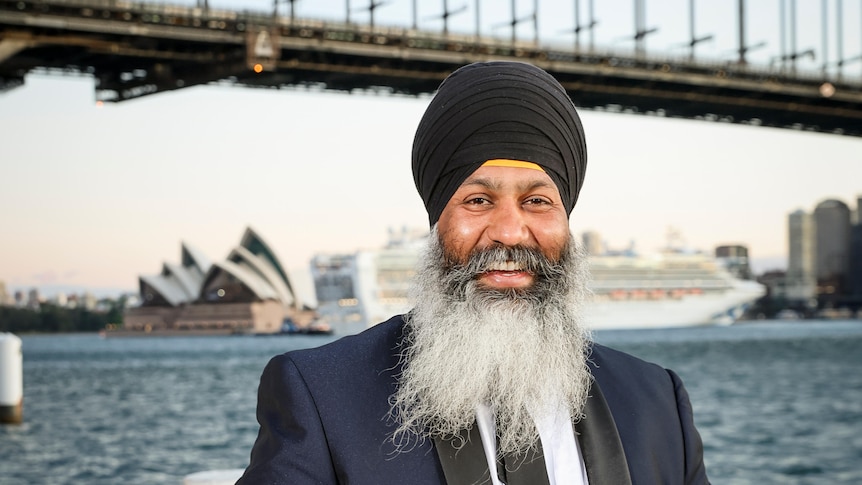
(600,443)
(463,458)
(527,469)
(463,461)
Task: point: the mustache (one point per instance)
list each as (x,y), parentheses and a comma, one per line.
(500,257)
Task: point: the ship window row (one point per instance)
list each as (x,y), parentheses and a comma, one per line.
(650,271)
(651,268)
(655,277)
(394,301)
(653,284)
(641,294)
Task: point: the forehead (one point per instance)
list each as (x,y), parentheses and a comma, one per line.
(509,178)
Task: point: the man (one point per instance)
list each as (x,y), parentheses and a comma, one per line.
(491,378)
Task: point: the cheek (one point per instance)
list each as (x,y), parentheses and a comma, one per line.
(458,235)
(459,242)
(553,239)
(463,234)
(453,246)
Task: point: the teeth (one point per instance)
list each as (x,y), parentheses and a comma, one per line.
(505,266)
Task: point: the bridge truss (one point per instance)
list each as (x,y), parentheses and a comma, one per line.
(135,49)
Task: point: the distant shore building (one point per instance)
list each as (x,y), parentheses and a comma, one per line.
(854,276)
(801,284)
(735,259)
(832,246)
(34,299)
(249,292)
(857,214)
(334,276)
(592,241)
(5,298)
(60,299)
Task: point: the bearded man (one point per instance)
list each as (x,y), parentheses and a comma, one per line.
(492,377)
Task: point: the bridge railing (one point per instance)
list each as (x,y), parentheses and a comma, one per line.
(239,21)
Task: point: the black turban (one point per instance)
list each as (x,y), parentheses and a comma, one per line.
(497,110)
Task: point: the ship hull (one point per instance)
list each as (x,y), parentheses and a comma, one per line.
(688,311)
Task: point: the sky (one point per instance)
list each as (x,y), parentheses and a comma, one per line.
(91,196)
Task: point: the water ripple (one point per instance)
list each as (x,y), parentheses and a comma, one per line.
(775,403)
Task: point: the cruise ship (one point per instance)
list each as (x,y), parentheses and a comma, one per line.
(669,289)
(369,286)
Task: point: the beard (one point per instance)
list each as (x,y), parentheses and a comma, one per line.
(523,352)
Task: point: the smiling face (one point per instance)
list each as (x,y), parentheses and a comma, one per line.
(504,207)
(498,291)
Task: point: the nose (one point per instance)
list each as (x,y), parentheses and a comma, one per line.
(508,225)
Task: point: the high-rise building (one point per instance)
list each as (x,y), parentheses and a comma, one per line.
(854,269)
(89,301)
(34,299)
(832,245)
(735,260)
(5,297)
(592,243)
(801,282)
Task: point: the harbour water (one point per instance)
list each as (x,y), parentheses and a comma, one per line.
(776,402)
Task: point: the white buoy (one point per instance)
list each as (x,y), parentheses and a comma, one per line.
(213,477)
(11,380)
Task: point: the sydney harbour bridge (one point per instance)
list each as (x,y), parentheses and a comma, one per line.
(136,48)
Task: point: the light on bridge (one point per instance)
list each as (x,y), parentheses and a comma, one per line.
(827,90)
(258,68)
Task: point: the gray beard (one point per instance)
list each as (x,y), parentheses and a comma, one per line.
(521,352)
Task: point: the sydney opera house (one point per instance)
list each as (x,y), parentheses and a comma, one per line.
(249,292)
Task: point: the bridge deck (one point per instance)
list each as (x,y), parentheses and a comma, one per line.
(136,49)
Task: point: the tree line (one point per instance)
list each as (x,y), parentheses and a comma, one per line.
(49,318)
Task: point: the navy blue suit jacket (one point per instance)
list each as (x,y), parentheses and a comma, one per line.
(324,417)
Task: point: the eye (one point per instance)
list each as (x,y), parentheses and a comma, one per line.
(477,201)
(537,201)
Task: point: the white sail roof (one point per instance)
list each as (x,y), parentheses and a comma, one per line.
(254,282)
(168,287)
(264,269)
(253,263)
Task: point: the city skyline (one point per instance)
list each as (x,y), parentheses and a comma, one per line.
(95,196)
